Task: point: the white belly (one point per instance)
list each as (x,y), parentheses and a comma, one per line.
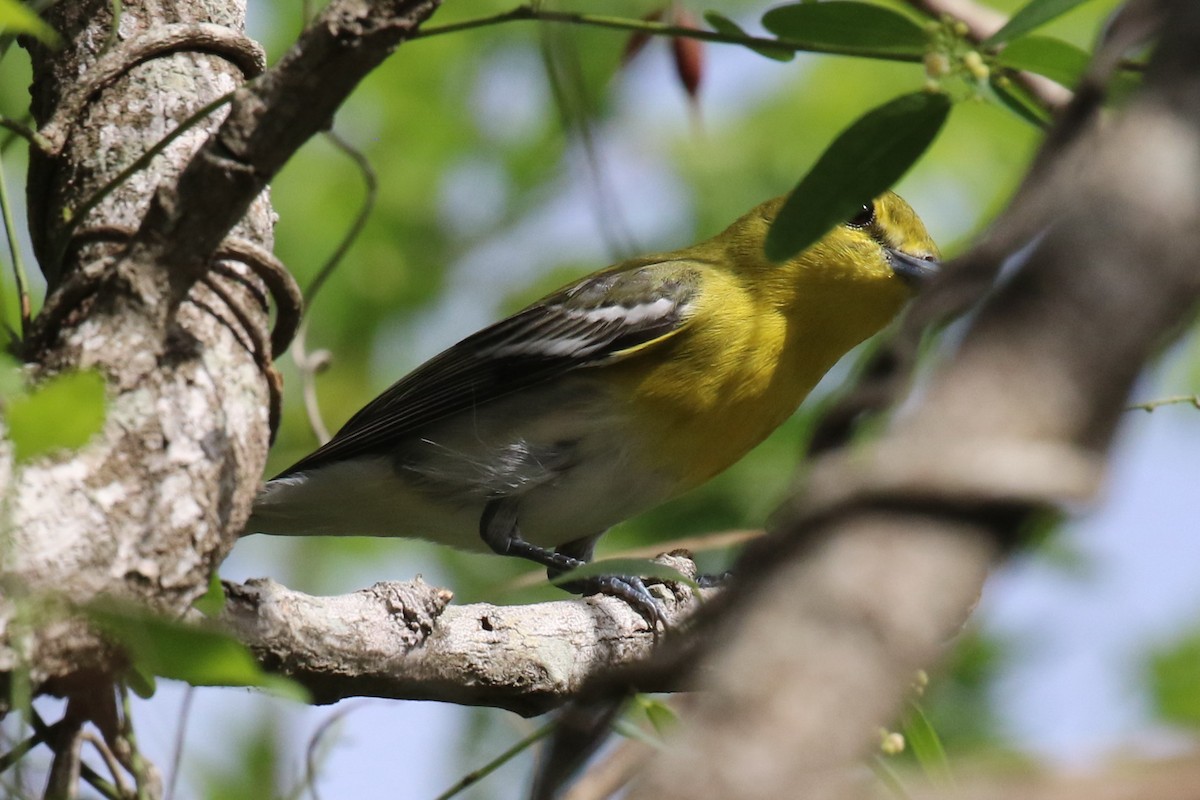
(568,465)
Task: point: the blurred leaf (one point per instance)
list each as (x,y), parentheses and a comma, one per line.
(639,567)
(1175,681)
(12,381)
(1059,61)
(723,24)
(661,716)
(17,18)
(201,656)
(847,24)
(142,683)
(62,413)
(926,746)
(1033,15)
(1018,101)
(212,602)
(626,728)
(863,161)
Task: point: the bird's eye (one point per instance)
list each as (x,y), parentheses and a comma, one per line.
(864,217)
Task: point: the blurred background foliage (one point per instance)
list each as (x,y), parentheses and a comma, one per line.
(510,159)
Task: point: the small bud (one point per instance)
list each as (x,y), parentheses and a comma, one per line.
(936,64)
(920,682)
(638,40)
(960,28)
(891,743)
(689,55)
(974,64)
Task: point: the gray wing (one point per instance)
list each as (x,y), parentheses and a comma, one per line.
(598,320)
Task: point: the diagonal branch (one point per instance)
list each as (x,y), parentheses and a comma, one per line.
(873,570)
(269,119)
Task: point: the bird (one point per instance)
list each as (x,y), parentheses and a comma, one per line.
(606,398)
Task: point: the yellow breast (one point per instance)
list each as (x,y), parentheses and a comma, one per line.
(707,396)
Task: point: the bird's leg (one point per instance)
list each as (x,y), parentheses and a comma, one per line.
(500,531)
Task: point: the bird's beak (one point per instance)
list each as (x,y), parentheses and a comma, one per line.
(912,270)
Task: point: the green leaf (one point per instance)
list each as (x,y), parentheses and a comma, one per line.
(629,730)
(926,747)
(662,717)
(1032,15)
(1018,101)
(62,413)
(212,602)
(845,25)
(723,24)
(1059,61)
(199,655)
(1175,681)
(12,380)
(863,162)
(17,18)
(141,683)
(641,567)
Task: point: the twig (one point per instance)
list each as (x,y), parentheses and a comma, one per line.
(90,775)
(981,23)
(475,776)
(310,365)
(185,713)
(653,28)
(371,185)
(22,130)
(68,751)
(606,777)
(1151,405)
(310,753)
(110,760)
(18,752)
(148,784)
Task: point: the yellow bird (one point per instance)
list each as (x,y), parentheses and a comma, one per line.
(607,397)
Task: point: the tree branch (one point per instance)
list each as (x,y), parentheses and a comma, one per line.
(405,641)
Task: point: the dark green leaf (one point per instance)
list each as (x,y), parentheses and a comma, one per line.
(1175,681)
(845,26)
(140,682)
(639,567)
(723,24)
(201,656)
(1059,61)
(863,162)
(1018,101)
(1032,15)
(63,412)
(16,18)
